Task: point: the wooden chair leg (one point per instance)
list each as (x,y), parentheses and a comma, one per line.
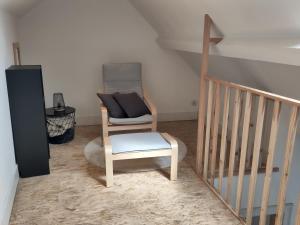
(174,163)
(109,171)
(105,130)
(108,161)
(154,126)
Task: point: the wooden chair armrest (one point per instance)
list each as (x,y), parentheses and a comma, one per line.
(103,108)
(152,109)
(104,118)
(150,105)
(104,113)
(171,140)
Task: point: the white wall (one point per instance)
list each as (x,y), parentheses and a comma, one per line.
(8,167)
(73,38)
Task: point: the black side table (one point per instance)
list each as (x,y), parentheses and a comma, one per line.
(61,125)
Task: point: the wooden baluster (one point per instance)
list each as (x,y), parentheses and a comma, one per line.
(224,137)
(208,123)
(266,133)
(245,135)
(235,124)
(289,149)
(255,159)
(298,213)
(251,135)
(215,133)
(270,160)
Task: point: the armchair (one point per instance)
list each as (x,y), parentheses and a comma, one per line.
(125,78)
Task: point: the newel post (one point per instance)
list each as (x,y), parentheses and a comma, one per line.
(202,97)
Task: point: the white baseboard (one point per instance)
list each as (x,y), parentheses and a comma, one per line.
(179,116)
(9,198)
(87,120)
(95,120)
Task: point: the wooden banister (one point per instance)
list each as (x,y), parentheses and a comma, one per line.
(237,149)
(289,101)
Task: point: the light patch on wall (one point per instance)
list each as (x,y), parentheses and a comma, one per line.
(297,46)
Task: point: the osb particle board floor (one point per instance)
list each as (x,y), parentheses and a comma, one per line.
(74,192)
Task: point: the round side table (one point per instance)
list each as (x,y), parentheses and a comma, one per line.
(60,125)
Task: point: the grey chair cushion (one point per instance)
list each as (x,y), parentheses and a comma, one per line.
(113,108)
(132,104)
(138,142)
(126,121)
(122,77)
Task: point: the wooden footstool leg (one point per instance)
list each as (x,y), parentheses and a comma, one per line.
(109,172)
(174,162)
(108,162)
(174,155)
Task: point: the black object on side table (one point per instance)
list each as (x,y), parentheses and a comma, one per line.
(61,125)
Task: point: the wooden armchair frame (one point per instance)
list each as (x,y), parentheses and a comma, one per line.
(108,127)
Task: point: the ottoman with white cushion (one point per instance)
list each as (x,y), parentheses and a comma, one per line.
(139,145)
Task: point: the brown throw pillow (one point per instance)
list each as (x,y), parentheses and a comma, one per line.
(113,108)
(132,104)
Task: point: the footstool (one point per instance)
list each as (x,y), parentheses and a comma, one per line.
(139,145)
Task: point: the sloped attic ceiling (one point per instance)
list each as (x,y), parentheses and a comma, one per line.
(259,30)
(17,7)
(275,77)
(266,30)
(260,38)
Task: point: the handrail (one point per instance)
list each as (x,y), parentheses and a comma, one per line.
(211,157)
(214,156)
(256,91)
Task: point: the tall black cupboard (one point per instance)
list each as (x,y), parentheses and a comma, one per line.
(27,109)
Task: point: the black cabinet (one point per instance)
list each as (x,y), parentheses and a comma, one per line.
(27,109)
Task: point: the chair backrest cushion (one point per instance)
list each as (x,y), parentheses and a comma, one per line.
(113,108)
(123,78)
(132,104)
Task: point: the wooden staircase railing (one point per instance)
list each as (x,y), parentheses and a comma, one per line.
(298,213)
(215,152)
(232,106)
